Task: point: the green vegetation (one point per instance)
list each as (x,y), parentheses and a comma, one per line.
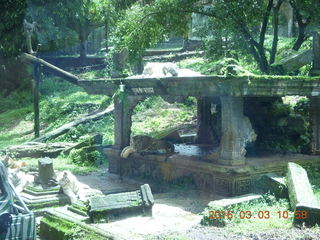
(238,38)
(287,128)
(154,115)
(86,157)
(62,102)
(258,215)
(314,177)
(67,230)
(62,163)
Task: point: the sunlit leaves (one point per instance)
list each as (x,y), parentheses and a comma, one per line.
(144,25)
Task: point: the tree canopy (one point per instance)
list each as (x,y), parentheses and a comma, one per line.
(145,24)
(12,40)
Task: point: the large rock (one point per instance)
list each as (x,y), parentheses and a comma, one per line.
(303,201)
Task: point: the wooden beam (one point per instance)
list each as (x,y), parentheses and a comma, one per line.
(51,68)
(66,127)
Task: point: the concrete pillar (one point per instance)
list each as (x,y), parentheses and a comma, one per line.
(315,124)
(122,120)
(236,131)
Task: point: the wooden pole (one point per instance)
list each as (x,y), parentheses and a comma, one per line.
(36,83)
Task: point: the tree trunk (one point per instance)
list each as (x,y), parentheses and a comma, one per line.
(83,45)
(301,38)
(106,36)
(302,25)
(263,63)
(83,49)
(275,31)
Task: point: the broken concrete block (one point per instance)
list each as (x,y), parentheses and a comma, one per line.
(302,199)
(295,61)
(46,174)
(216,214)
(274,184)
(125,203)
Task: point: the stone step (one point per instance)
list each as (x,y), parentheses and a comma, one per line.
(38,200)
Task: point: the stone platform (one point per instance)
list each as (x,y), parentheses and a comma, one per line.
(38,199)
(207,174)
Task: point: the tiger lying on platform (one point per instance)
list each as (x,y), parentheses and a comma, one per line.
(146,144)
(74,189)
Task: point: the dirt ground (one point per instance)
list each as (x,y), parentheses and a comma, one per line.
(176,214)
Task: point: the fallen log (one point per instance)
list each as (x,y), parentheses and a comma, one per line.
(66,127)
(51,68)
(38,150)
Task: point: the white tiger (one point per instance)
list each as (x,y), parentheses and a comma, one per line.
(74,189)
(19,179)
(154,69)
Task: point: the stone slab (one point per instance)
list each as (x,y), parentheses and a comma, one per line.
(301,196)
(231,202)
(274,184)
(223,206)
(295,61)
(106,206)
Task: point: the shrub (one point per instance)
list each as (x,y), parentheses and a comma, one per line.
(86,156)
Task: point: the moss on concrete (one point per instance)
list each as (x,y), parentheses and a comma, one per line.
(55,228)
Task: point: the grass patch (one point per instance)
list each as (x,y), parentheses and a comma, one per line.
(15,128)
(13,117)
(264,216)
(62,163)
(154,116)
